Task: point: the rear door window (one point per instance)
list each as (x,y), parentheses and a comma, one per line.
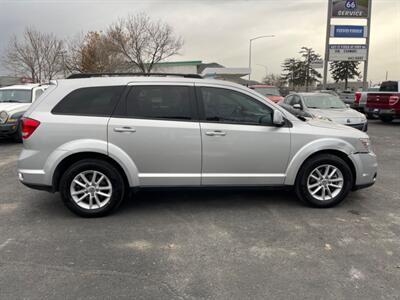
(91,101)
(164,102)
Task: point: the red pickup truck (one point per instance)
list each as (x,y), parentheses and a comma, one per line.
(386,102)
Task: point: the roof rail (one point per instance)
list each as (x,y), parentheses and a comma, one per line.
(89,75)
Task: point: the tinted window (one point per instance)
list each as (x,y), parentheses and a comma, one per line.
(288,100)
(159,102)
(223,105)
(389,86)
(296,100)
(93,101)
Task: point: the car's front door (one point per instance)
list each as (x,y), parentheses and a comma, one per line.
(240,144)
(156,125)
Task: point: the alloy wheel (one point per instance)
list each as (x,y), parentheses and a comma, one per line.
(91,190)
(325,182)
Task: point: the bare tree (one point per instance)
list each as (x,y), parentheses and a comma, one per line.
(92,53)
(38,55)
(143,42)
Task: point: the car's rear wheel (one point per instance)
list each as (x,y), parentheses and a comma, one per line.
(324,181)
(92,188)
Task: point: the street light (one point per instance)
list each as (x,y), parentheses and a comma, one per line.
(251,40)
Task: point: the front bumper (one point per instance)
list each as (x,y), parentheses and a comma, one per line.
(7,130)
(366,167)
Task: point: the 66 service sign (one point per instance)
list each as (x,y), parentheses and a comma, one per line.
(350,8)
(347,52)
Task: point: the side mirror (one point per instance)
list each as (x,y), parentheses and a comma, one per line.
(297,106)
(278,119)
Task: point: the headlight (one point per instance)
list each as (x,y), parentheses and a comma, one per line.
(365,145)
(363,118)
(3,117)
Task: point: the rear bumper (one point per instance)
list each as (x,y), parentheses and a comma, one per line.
(384,112)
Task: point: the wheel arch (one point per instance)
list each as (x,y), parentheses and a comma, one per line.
(320,147)
(73,158)
(338,153)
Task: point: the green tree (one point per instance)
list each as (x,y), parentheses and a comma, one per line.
(344,70)
(308,74)
(292,72)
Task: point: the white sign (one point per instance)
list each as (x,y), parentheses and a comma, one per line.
(317,64)
(347,52)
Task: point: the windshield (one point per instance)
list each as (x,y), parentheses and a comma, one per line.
(323,101)
(268,91)
(18,96)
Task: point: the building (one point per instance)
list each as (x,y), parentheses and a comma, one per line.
(206,70)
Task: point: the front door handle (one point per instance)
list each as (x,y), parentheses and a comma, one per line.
(124,129)
(216,133)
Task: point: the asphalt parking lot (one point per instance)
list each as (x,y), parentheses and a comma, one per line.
(208,244)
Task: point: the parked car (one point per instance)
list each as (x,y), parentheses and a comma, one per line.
(328,107)
(14,101)
(360,100)
(94,139)
(330,92)
(385,103)
(347,97)
(269,91)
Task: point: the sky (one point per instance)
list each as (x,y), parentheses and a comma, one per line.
(218,30)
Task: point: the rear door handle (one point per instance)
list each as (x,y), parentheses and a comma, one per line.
(216,133)
(124,129)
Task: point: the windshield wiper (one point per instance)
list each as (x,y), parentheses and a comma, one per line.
(13,101)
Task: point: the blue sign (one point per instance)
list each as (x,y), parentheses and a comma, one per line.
(351,4)
(348,31)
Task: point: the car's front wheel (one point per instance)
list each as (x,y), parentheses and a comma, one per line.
(324,181)
(92,188)
(386,119)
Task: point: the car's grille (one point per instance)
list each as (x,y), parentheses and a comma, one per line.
(357,126)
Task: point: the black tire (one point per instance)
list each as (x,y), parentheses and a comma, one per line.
(370,116)
(112,173)
(386,119)
(306,169)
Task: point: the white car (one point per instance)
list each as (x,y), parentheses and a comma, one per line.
(14,101)
(327,107)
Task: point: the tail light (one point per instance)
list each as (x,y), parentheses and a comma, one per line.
(357,97)
(28,127)
(393,100)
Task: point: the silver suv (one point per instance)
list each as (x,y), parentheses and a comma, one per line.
(93,138)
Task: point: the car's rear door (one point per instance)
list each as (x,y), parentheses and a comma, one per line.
(156,125)
(241,146)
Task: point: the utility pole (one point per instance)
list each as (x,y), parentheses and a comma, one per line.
(365,82)
(250,42)
(328,34)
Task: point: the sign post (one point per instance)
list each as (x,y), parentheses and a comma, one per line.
(348,9)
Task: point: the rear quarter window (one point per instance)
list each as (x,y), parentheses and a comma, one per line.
(91,101)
